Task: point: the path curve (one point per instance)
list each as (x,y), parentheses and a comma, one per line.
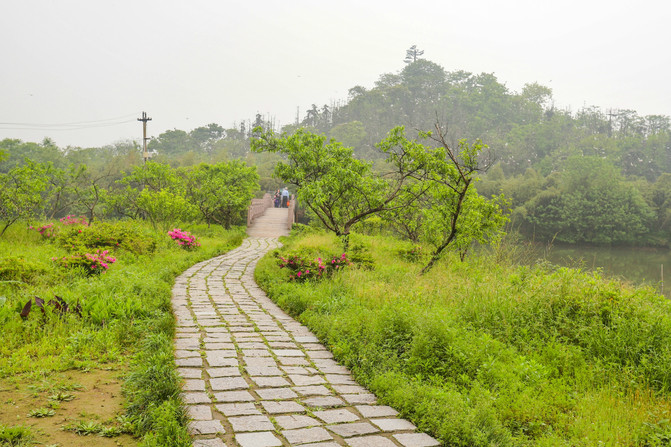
(254,377)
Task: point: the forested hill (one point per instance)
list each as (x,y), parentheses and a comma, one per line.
(592,175)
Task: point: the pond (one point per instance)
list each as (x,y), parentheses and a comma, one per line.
(638,265)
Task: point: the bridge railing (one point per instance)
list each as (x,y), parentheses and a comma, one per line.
(292,212)
(258,207)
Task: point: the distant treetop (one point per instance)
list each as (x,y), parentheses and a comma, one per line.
(412,54)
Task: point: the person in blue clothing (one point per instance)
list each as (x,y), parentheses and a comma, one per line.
(285,197)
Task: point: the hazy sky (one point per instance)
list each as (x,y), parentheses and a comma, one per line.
(100,63)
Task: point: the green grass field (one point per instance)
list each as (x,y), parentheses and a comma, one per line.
(484,352)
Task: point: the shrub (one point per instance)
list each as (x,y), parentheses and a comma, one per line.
(303,269)
(102,235)
(184,238)
(19,269)
(91,263)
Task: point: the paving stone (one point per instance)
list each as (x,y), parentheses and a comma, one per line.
(259,361)
(320,355)
(291,361)
(226,371)
(355,399)
(216,442)
(370,441)
(296,421)
(260,439)
(252,345)
(196,398)
(199,412)
(274,407)
(228,383)
(350,389)
(302,380)
(192,361)
(206,427)
(237,409)
(183,353)
(373,411)
(312,390)
(276,393)
(321,444)
(339,379)
(270,381)
(216,359)
(263,370)
(305,435)
(256,353)
(194,385)
(416,440)
(288,353)
(353,429)
(323,402)
(393,424)
(336,415)
(251,423)
(234,396)
(217,345)
(190,373)
(307,339)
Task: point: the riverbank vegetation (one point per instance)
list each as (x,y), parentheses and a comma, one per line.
(86,306)
(483,351)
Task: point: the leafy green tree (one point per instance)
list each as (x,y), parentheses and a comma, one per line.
(21,193)
(222,192)
(452,213)
(339,189)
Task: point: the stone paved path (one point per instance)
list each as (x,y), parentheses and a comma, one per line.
(254,377)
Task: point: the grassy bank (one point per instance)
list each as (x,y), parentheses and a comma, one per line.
(484,352)
(119,321)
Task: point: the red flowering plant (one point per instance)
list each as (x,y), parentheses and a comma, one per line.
(304,269)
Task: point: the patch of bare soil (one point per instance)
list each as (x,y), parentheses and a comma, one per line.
(76,397)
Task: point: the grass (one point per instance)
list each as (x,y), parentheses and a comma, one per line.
(485,352)
(126,323)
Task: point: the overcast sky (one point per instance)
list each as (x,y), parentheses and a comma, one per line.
(100,63)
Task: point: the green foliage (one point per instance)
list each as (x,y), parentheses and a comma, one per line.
(121,235)
(20,196)
(479,353)
(222,192)
(19,269)
(15,436)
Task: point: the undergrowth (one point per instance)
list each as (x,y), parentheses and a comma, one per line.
(486,352)
(125,320)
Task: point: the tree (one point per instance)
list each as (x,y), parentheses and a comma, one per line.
(412,54)
(449,211)
(20,193)
(222,192)
(339,189)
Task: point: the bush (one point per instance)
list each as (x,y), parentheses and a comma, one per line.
(92,263)
(126,236)
(303,268)
(19,269)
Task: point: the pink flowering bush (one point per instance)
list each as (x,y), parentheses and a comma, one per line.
(92,263)
(47,231)
(184,238)
(73,220)
(303,269)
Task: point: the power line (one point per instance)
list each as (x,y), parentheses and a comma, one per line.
(68,126)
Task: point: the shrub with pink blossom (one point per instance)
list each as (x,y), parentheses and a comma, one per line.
(184,238)
(92,263)
(303,269)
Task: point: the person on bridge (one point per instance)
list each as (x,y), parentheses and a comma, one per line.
(285,197)
(277,198)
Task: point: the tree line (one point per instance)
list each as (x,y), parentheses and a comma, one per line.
(590,176)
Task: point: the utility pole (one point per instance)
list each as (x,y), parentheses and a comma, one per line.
(144,120)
